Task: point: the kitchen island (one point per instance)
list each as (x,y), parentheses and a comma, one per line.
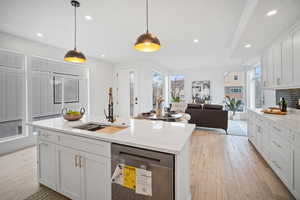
(79,163)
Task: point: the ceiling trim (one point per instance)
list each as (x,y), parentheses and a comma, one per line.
(244,20)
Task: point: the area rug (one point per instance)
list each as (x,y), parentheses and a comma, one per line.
(46,194)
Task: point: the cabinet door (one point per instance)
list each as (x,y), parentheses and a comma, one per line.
(276,55)
(47,164)
(69,173)
(287,62)
(270,69)
(265,69)
(96,177)
(297,172)
(265,142)
(259,138)
(296,57)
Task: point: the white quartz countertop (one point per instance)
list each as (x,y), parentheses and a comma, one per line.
(168,137)
(290,121)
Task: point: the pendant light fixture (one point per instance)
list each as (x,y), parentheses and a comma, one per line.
(75,56)
(147,42)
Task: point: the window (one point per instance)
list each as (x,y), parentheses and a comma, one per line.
(255,87)
(12,95)
(158,87)
(235,87)
(236,90)
(177,88)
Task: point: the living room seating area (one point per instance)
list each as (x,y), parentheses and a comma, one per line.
(208,115)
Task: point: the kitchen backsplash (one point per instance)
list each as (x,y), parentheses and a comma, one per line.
(291,95)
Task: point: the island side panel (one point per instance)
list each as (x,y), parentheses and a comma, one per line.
(182,174)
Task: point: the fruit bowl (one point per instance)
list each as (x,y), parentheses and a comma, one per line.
(72,115)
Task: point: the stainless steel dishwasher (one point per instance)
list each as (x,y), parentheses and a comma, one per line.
(160,164)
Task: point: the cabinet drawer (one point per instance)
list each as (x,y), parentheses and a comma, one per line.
(296,138)
(280,146)
(283,132)
(87,145)
(282,167)
(48,135)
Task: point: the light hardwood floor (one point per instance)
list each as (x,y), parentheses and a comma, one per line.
(222,167)
(228,167)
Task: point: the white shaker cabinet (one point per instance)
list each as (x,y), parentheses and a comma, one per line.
(281,61)
(264,61)
(268,68)
(279,146)
(296,55)
(297,172)
(287,61)
(69,173)
(277,64)
(46,163)
(96,175)
(76,167)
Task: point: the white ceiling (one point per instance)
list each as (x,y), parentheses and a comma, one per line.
(117,23)
(261,30)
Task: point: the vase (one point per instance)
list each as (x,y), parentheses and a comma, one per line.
(158,112)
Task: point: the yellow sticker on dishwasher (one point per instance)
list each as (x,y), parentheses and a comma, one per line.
(129,177)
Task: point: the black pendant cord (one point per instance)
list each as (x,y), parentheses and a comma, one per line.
(75,32)
(147,15)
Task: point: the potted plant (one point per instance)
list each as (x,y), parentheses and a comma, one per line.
(232,105)
(175,95)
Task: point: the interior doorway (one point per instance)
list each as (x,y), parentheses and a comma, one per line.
(127,97)
(235,98)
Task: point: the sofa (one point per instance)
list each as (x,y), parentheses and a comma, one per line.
(208,115)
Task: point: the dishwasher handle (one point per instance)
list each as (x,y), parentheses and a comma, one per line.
(124,152)
(140,157)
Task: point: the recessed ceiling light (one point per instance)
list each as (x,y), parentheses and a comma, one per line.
(87,17)
(196,40)
(39,34)
(102,55)
(248,45)
(271,13)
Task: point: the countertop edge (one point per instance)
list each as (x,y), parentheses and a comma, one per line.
(164,150)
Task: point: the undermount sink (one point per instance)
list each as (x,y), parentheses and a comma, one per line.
(91,127)
(103,128)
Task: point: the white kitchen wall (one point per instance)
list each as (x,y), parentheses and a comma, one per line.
(216,77)
(100,79)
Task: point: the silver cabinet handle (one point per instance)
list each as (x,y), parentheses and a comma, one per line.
(276,164)
(278,81)
(80,161)
(293,137)
(44,135)
(278,145)
(42,143)
(76,161)
(277,129)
